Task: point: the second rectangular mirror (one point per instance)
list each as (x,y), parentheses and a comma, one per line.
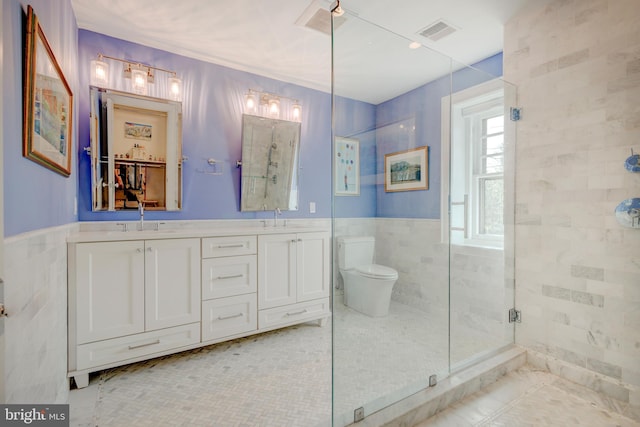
(269,164)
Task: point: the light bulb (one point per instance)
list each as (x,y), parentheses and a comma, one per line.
(175,89)
(250,102)
(274,107)
(297,112)
(139,81)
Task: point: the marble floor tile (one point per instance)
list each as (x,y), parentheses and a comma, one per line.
(284,378)
(531,398)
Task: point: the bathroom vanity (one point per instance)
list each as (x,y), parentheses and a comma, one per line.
(135,295)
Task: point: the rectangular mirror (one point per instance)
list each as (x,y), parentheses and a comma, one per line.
(269,164)
(136,151)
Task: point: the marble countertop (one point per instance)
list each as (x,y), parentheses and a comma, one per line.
(165,230)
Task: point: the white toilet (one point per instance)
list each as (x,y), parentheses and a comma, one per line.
(367,286)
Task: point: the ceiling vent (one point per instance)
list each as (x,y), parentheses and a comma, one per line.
(437,30)
(317,17)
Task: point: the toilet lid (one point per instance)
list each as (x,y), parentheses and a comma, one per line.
(377,271)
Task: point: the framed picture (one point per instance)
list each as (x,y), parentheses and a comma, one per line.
(346,167)
(48,103)
(407,170)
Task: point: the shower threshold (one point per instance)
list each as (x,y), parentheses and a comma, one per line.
(466,379)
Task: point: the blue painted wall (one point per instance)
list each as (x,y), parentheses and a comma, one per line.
(35,197)
(212,127)
(423,105)
(355,119)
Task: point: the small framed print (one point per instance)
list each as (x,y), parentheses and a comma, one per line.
(407,170)
(346,167)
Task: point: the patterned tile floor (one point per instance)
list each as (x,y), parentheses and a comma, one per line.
(283,378)
(530,398)
(280,378)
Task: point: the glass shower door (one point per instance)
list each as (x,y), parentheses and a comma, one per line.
(386,128)
(423,154)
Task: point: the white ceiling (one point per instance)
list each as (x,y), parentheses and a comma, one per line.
(262,37)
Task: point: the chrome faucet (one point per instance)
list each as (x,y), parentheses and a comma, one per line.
(141,210)
(276,212)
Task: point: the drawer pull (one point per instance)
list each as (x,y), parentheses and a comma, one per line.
(233,316)
(231,246)
(235,276)
(133,347)
(297,313)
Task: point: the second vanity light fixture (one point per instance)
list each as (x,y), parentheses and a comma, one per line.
(273,106)
(141,76)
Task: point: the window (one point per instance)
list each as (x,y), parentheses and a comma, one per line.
(475,166)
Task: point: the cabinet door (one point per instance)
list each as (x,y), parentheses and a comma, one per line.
(312,266)
(172,282)
(276,270)
(109,289)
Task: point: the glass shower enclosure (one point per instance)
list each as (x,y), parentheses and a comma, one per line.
(423,162)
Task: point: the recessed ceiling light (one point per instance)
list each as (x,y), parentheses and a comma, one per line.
(414,45)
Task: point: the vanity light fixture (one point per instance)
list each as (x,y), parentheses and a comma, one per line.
(141,76)
(269,105)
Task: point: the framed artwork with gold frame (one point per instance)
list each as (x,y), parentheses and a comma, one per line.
(407,170)
(48,103)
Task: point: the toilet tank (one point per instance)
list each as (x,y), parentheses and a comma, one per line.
(355,251)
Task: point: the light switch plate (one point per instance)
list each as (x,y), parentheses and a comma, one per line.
(312,207)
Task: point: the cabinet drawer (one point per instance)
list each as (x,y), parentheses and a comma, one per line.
(123,348)
(229,316)
(213,247)
(228,276)
(292,314)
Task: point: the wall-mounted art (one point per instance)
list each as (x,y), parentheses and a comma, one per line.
(346,167)
(48,103)
(407,170)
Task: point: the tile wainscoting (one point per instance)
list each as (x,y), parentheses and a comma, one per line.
(36,329)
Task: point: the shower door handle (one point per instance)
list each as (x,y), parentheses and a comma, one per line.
(465,226)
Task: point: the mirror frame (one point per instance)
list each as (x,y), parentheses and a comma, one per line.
(109,100)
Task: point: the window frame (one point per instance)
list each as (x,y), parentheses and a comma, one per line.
(481,101)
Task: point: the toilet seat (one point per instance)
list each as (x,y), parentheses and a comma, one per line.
(376,271)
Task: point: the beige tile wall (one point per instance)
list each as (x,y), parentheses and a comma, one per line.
(577,67)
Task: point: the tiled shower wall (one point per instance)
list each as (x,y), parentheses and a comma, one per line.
(576,64)
(36,329)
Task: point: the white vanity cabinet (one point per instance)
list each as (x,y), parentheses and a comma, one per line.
(293,278)
(133,297)
(130,299)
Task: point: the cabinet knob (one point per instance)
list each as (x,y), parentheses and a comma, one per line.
(139,250)
(149,249)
